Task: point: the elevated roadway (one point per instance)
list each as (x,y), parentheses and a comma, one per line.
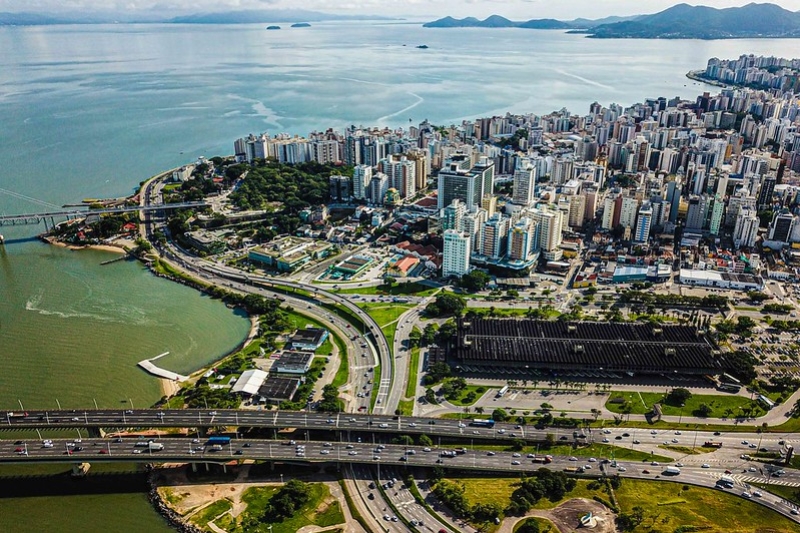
(394,457)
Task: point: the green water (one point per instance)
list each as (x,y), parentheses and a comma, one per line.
(72,330)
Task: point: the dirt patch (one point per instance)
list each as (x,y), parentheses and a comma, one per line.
(566,516)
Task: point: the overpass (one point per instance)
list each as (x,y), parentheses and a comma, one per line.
(38,218)
(197,451)
(202,418)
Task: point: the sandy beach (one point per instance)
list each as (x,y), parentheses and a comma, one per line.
(115,248)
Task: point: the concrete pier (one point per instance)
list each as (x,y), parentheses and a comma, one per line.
(151,368)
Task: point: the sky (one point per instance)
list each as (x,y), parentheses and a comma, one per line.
(414,9)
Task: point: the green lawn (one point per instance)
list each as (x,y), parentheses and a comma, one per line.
(469,395)
(343,372)
(376,384)
(713,511)
(791,494)
(321,510)
(413,372)
(384,313)
(406,407)
(202,518)
(398,289)
(545,525)
(642,403)
(667,505)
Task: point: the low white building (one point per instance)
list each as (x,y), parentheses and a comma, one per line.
(249,382)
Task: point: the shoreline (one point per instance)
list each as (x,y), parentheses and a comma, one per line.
(694,75)
(113,248)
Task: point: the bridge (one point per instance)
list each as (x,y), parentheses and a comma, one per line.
(38,218)
(113,419)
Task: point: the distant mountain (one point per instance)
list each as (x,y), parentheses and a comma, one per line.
(683,21)
(261,16)
(27,19)
(496,21)
(589,23)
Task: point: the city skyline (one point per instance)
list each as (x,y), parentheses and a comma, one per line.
(411,9)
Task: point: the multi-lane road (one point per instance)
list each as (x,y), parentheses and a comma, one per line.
(397,459)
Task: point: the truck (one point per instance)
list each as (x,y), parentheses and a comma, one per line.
(574,470)
(712,444)
(542,459)
(726,481)
(218,440)
(671,471)
(155,446)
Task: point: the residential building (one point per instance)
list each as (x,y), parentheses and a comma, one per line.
(457,251)
(746,228)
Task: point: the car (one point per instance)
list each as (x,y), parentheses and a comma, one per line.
(137,450)
(352,452)
(592,460)
(501,431)
(637,441)
(705,465)
(625,434)
(563,437)
(75,419)
(717,433)
(238,452)
(384,426)
(461,425)
(618,437)
(607,431)
(745,442)
(605,440)
(432,422)
(752,469)
(439,461)
(352,420)
(645,471)
(330,421)
(403,458)
(387,517)
(395,519)
(516,455)
(246,445)
(758,493)
(654,463)
(515,463)
(677,432)
(622,469)
(426,449)
(349,446)
(324,452)
(371,496)
(746,494)
(794,511)
(587,467)
(573,458)
(653,432)
(194,441)
(412,425)
(476,432)
(490,453)
(212,413)
(674,441)
(753,446)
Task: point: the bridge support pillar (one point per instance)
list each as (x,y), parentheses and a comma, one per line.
(96,433)
(194,467)
(208,468)
(203,431)
(224,468)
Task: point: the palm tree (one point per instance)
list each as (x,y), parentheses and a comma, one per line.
(479,410)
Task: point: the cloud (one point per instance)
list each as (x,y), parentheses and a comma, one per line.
(514,9)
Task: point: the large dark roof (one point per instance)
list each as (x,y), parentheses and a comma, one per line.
(570,345)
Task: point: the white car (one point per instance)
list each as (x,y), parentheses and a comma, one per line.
(352,452)
(573,458)
(426,449)
(516,455)
(605,440)
(757,493)
(515,463)
(490,453)
(587,467)
(705,465)
(501,431)
(324,452)
(679,465)
(461,425)
(412,425)
(622,469)
(607,431)
(592,460)
(383,426)
(746,494)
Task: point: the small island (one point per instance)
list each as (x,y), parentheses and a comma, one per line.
(423,46)
(301,25)
(273,27)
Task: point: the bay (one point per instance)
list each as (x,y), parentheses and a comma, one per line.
(90,111)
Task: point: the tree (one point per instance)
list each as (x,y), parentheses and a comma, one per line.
(429,334)
(550,440)
(430,396)
(517,445)
(474,281)
(677,397)
(445,305)
(405,440)
(499,415)
(425,440)
(704,410)
(529,526)
(414,338)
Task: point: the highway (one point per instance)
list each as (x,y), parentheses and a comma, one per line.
(395,458)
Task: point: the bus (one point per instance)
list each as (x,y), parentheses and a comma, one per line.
(482,422)
(729,387)
(502,392)
(727,378)
(218,440)
(712,444)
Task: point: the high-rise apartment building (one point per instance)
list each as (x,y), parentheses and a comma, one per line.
(456,254)
(362,175)
(746,228)
(524,185)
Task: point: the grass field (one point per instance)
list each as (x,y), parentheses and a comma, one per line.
(406,407)
(413,370)
(464,400)
(202,518)
(642,403)
(398,289)
(300,321)
(667,505)
(321,510)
